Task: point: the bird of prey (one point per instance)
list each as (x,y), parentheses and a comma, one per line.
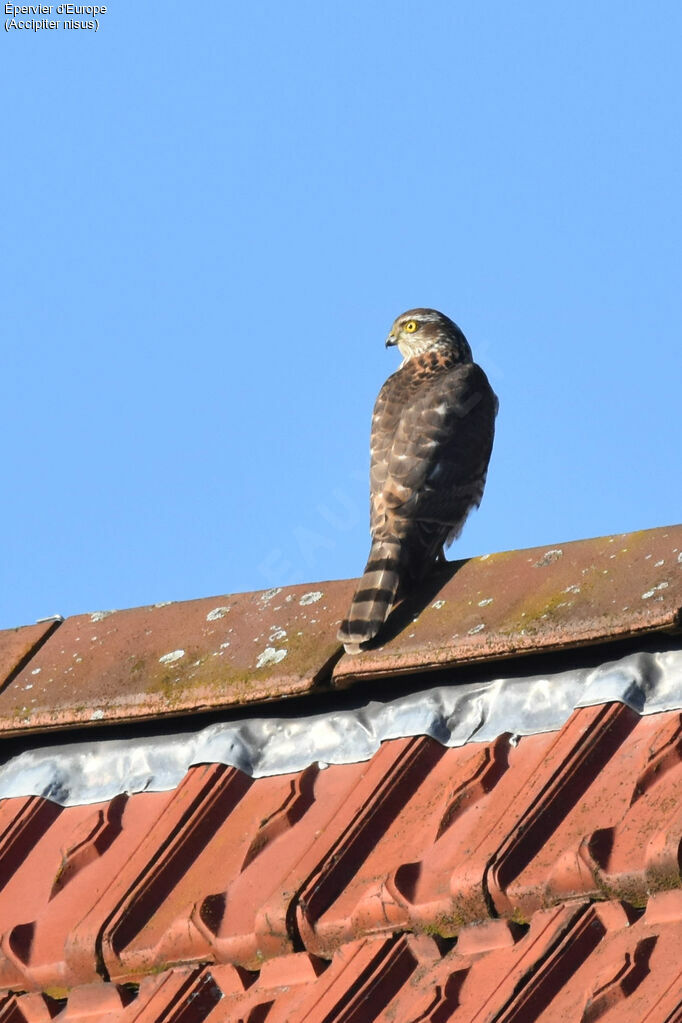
(432,434)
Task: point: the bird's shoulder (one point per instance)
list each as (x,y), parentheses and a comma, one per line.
(432,377)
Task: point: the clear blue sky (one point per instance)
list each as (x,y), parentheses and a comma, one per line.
(212,214)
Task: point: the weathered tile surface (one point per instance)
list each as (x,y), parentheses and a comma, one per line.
(178,658)
(528,601)
(522,880)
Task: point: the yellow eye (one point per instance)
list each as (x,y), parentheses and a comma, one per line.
(410,326)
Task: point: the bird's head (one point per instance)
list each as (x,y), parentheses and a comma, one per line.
(420,330)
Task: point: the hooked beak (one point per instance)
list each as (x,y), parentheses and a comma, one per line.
(391,340)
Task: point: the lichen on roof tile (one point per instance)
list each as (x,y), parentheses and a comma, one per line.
(528,601)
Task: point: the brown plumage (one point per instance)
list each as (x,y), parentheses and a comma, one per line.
(432,434)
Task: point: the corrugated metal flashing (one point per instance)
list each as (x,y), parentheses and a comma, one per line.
(454,715)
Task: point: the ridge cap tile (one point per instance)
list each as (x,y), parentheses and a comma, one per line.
(531,600)
(174,658)
(18,646)
(236,650)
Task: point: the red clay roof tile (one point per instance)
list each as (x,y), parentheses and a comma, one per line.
(237,650)
(421,838)
(578,962)
(544,598)
(533,879)
(17,646)
(176,658)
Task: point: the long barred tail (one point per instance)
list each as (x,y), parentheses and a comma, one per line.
(374,596)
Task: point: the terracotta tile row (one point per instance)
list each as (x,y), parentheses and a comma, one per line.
(579,963)
(421,838)
(236,650)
